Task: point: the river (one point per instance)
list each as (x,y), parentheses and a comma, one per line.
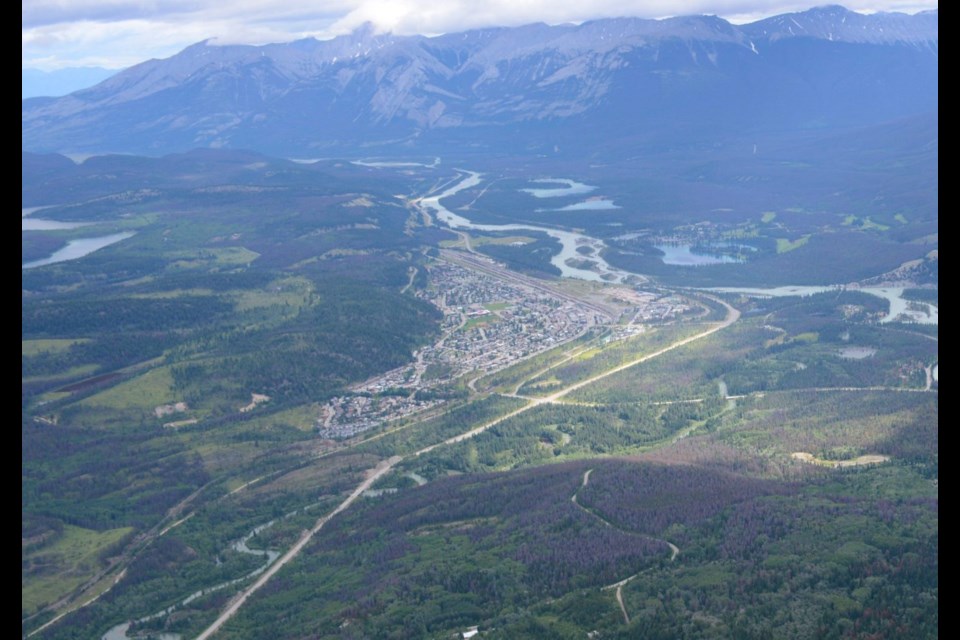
(26,211)
(395,164)
(925,313)
(119,632)
(566,261)
(573,264)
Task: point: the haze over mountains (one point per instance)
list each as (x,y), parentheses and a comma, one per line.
(535,88)
(36,82)
(616,330)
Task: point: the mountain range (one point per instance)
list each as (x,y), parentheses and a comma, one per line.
(535,88)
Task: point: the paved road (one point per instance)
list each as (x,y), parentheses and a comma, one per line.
(295,550)
(732,316)
(68,604)
(386,465)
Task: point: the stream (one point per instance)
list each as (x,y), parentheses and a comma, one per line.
(119,632)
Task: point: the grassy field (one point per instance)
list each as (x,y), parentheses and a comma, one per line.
(681,374)
(784,244)
(66,563)
(480,321)
(598,359)
(31,348)
(293,293)
(303,417)
(226,256)
(143,393)
(72,372)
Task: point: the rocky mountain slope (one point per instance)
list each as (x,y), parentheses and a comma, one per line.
(529,87)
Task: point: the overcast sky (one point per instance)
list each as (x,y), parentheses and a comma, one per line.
(119,33)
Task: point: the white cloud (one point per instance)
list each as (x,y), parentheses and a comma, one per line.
(117,33)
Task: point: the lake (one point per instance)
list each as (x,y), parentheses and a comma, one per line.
(572,188)
(596,204)
(79,248)
(28,223)
(39,224)
(683,255)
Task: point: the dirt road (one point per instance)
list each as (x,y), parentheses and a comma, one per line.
(386,465)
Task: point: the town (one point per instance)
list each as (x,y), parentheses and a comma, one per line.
(490,321)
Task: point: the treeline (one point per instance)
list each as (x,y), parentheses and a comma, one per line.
(931,296)
(352,332)
(111,265)
(218,281)
(36,245)
(107,351)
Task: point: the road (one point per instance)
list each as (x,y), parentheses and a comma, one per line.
(732,316)
(379,471)
(385,466)
(877,388)
(70,603)
(929,373)
(674,549)
(413,274)
(623,609)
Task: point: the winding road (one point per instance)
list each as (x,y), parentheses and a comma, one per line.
(386,465)
(470,261)
(674,549)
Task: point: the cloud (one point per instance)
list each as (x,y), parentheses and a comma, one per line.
(433,17)
(124,43)
(429,16)
(118,33)
(40,13)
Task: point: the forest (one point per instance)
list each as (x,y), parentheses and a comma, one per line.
(749,468)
